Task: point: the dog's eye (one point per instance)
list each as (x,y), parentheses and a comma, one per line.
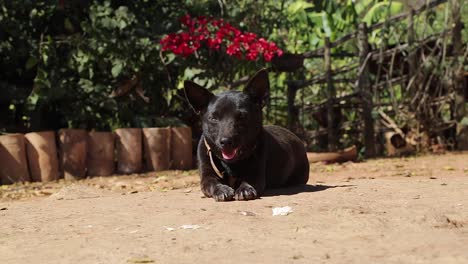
(213,119)
(242,116)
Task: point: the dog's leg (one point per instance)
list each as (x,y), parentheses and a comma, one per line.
(245,192)
(253,185)
(251,188)
(210,183)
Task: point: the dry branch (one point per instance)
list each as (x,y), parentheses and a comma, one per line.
(348,154)
(388,122)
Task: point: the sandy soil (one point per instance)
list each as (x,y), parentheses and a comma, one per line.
(402,210)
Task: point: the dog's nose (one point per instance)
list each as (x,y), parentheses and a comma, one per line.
(226,142)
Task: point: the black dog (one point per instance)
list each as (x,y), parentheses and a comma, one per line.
(238,157)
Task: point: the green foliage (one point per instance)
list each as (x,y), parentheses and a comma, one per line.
(382,10)
(61,60)
(74,54)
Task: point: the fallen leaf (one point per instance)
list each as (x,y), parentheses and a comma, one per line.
(298,256)
(140,260)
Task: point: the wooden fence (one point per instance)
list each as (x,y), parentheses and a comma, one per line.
(374,74)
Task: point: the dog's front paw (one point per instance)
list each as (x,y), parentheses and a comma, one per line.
(223,193)
(245,192)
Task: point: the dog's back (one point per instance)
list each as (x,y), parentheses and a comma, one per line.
(286,162)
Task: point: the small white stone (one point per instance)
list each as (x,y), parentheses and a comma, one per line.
(189,226)
(282,210)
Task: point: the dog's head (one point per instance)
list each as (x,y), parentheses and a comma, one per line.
(232,120)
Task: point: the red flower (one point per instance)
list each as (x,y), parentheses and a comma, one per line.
(214,43)
(252,55)
(187,21)
(202,21)
(234,49)
(268,56)
(213,33)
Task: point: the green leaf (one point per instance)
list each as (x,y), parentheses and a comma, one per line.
(313,40)
(464,121)
(380,10)
(362,5)
(31,62)
(327,25)
(32,100)
(122,24)
(117,68)
(190,73)
(299,6)
(45,57)
(41,80)
(168,58)
(68,25)
(86,85)
(109,23)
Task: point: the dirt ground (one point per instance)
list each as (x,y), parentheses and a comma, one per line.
(401,210)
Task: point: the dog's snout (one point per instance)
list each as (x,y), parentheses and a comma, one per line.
(226,142)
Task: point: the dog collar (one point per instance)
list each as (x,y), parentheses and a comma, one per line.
(213,165)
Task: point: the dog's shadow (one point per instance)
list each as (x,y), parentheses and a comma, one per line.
(304,188)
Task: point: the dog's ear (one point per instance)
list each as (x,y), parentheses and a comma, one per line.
(197,96)
(258,86)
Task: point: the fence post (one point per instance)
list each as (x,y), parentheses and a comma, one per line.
(460,111)
(365,90)
(293,113)
(411,37)
(331,94)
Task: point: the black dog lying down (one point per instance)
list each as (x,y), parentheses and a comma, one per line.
(238,157)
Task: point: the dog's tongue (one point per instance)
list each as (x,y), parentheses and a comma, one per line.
(229,154)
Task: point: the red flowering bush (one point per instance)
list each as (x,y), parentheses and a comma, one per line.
(215,34)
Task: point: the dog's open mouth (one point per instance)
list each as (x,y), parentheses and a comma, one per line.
(229,154)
